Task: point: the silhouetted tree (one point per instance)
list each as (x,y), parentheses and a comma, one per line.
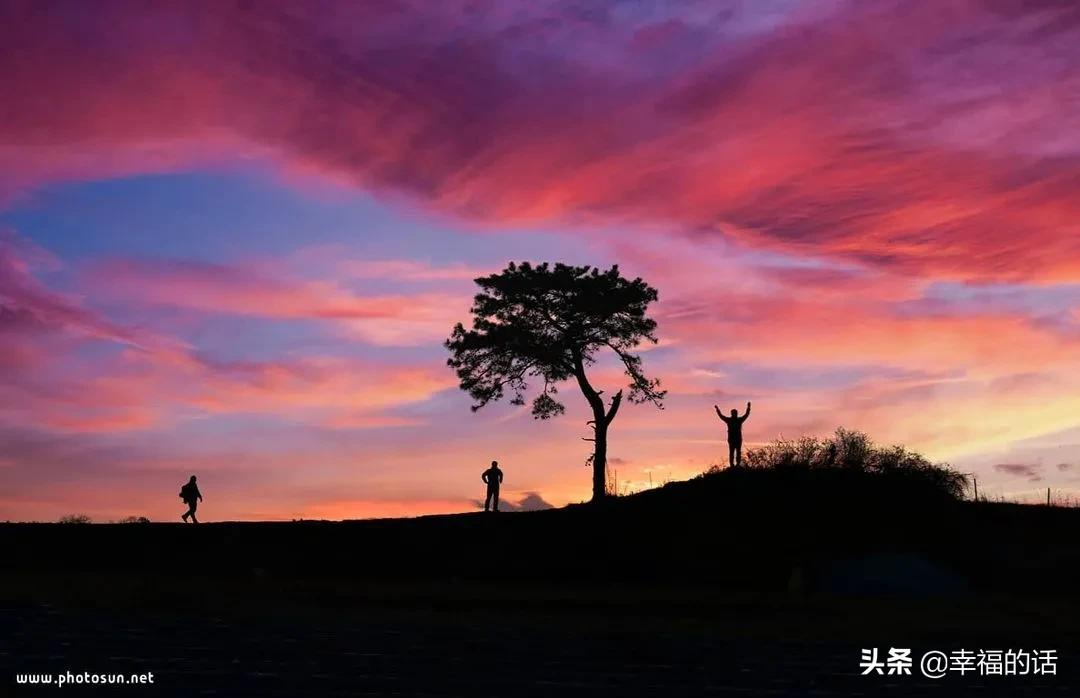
(549,323)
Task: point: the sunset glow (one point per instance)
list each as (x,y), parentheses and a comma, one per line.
(233,237)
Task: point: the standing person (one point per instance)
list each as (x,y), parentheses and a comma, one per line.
(191,496)
(734,434)
(492,477)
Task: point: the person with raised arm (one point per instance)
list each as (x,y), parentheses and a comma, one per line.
(734,434)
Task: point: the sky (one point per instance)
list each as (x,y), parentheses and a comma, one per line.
(234,235)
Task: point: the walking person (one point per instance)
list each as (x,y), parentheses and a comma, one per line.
(734,434)
(191,496)
(492,477)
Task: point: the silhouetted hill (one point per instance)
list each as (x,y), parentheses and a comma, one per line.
(743,529)
(754,580)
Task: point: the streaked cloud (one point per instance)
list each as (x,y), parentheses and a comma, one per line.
(897,135)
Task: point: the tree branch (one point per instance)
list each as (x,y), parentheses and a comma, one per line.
(615,402)
(586,388)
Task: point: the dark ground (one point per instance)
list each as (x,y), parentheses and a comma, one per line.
(742,585)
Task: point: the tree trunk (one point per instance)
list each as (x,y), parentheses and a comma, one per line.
(599,460)
(600,422)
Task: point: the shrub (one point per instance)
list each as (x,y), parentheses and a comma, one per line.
(855,451)
(74,519)
(134,520)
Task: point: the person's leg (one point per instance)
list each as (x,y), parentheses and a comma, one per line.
(194,505)
(731,454)
(186,514)
(495,497)
(738,454)
(487,500)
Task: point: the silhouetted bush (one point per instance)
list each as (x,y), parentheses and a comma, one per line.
(855,451)
(74,519)
(134,520)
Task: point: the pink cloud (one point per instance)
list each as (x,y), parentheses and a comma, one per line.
(25,304)
(892,134)
(331,392)
(250,291)
(49,380)
(411,270)
(142,390)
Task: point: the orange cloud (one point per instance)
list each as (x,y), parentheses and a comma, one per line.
(382,509)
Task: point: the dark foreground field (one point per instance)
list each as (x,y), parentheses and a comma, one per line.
(738,585)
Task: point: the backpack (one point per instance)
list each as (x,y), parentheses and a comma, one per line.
(185,492)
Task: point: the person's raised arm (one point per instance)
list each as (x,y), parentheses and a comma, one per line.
(720,414)
(743,418)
